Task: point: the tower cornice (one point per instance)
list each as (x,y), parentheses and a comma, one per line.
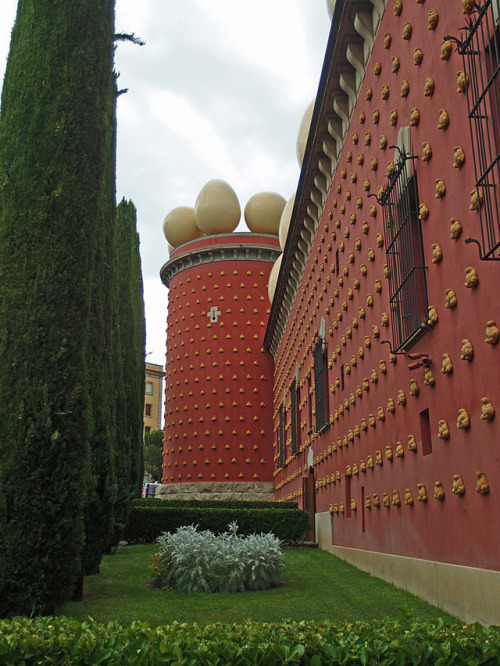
(221,247)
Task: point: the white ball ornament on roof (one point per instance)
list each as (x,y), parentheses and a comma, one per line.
(217,209)
(304,128)
(273,277)
(180,227)
(286,216)
(263,212)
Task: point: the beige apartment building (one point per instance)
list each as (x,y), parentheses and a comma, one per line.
(153,396)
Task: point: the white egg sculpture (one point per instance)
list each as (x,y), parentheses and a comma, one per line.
(304,128)
(170,248)
(331,7)
(217,209)
(286,216)
(273,277)
(263,212)
(180,227)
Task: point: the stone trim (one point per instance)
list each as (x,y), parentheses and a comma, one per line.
(226,252)
(219,490)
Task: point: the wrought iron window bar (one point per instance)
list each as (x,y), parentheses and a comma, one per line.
(404,253)
(281,437)
(480,51)
(321,385)
(293,416)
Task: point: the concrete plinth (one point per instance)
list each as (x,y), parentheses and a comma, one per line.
(220,491)
(469,593)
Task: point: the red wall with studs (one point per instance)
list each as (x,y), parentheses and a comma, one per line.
(396,430)
(218,419)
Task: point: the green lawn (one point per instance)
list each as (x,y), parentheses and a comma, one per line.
(316,586)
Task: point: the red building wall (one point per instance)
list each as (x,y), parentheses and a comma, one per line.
(218,421)
(461,529)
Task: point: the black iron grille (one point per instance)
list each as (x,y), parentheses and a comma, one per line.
(480,51)
(321,385)
(405,255)
(293,415)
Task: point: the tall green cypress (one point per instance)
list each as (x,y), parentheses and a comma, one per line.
(56,223)
(130,344)
(101,497)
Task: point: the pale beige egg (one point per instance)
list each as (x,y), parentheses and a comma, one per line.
(273,277)
(304,128)
(217,209)
(263,212)
(286,216)
(180,227)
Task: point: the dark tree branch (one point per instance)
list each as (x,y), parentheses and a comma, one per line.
(128,37)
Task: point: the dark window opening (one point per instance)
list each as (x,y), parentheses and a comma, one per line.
(147,409)
(281,437)
(425,432)
(294,416)
(363,516)
(321,385)
(342,377)
(480,51)
(309,502)
(347,496)
(405,255)
(310,404)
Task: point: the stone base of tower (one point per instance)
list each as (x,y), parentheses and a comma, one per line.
(220,491)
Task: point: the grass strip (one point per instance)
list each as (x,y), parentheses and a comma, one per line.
(316,586)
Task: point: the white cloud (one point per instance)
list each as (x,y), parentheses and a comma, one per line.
(134,17)
(155,305)
(180,118)
(269,35)
(218,91)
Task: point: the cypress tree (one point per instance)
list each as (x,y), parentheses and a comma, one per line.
(130,330)
(56,219)
(101,490)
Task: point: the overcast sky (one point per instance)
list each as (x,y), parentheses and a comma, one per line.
(218,91)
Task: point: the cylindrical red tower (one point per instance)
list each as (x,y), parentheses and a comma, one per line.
(219,378)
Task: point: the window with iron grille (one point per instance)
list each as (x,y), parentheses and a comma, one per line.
(321,385)
(480,51)
(404,254)
(281,437)
(294,415)
(309,404)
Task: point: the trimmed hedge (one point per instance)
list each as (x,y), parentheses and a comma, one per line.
(65,641)
(227,504)
(146,523)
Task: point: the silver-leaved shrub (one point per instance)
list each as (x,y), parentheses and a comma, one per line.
(192,561)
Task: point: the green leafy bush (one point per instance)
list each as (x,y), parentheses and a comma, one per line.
(60,640)
(192,561)
(148,521)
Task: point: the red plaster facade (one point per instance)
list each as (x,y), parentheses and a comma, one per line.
(218,419)
(395,431)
